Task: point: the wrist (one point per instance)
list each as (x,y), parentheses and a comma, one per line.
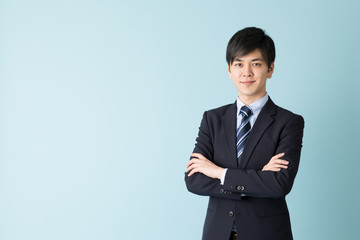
(220,173)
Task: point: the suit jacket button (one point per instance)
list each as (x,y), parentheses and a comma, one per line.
(221,190)
(239,188)
(231,213)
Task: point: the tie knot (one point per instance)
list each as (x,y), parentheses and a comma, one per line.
(245,111)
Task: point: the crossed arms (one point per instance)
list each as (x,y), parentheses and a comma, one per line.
(201,164)
(274,180)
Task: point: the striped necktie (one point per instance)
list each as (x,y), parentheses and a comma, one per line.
(243,131)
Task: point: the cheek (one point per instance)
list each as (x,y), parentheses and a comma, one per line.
(264,76)
(233,75)
(234,82)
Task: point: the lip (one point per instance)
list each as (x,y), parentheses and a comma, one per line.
(247,83)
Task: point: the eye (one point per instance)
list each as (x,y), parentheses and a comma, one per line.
(238,64)
(256,64)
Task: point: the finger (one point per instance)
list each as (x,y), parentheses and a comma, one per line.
(194,160)
(280,166)
(198,155)
(279,155)
(277,166)
(197,166)
(191,164)
(274,167)
(192,172)
(280,161)
(190,168)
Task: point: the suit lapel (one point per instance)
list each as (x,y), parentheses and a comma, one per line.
(263,121)
(229,126)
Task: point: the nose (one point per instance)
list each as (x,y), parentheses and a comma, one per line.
(247,71)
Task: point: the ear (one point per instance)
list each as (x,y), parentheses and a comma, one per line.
(229,70)
(270,70)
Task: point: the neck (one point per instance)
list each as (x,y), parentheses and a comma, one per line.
(247,100)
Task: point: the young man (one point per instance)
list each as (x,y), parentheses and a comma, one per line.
(247,153)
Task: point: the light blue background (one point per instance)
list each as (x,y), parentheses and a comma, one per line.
(101,102)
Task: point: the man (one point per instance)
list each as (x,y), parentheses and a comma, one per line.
(247,153)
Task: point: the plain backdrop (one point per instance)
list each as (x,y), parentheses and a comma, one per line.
(100,104)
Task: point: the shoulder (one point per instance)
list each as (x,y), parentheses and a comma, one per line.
(285,112)
(215,118)
(217,115)
(220,111)
(287,115)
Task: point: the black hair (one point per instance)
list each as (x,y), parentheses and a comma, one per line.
(246,41)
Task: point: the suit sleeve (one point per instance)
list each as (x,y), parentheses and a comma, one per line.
(268,183)
(199,183)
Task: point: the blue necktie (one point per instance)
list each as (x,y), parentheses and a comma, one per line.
(243,131)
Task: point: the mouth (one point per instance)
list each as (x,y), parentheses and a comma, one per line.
(247,83)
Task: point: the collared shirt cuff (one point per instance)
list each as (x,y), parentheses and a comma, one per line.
(222,179)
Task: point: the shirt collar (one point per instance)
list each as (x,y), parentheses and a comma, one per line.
(255,106)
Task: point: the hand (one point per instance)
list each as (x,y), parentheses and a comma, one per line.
(275,164)
(204,166)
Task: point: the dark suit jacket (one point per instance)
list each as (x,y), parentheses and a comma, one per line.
(255,199)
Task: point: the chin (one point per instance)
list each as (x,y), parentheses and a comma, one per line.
(248,94)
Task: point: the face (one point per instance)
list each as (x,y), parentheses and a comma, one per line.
(249,74)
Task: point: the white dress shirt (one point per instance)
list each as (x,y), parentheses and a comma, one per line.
(256,109)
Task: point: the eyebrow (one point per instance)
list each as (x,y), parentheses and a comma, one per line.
(253,60)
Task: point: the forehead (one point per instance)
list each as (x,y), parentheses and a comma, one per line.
(253,55)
